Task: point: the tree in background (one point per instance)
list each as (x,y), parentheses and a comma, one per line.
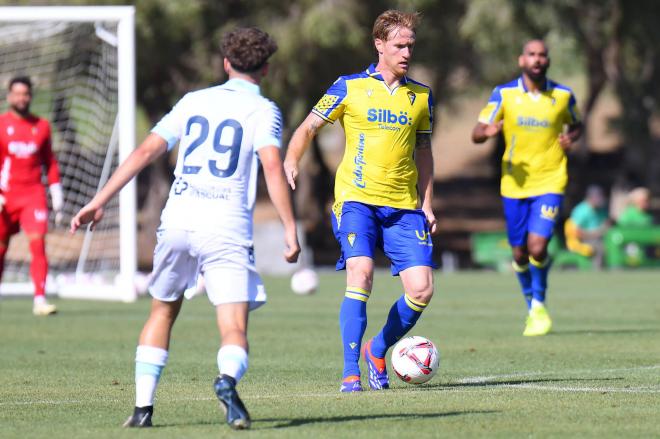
(609,42)
(318,41)
(462,46)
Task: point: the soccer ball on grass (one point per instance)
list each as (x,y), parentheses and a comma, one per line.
(415,359)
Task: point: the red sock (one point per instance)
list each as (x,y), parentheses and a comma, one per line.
(38,266)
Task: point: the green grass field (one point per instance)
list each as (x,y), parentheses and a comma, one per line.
(596,375)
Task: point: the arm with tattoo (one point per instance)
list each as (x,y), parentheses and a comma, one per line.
(424,163)
(423,141)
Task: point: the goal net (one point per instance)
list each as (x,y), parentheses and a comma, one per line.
(81,62)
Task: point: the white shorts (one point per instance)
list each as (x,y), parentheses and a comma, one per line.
(228,268)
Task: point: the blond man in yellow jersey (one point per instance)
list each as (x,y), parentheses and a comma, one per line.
(540,123)
(387,167)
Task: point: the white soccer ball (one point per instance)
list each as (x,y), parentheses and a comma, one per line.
(304,281)
(140,282)
(415,359)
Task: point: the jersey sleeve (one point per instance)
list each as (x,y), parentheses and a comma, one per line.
(492,112)
(425,125)
(170,127)
(572,115)
(331,106)
(268,130)
(48,159)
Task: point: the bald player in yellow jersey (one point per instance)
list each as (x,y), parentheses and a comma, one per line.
(386,169)
(539,120)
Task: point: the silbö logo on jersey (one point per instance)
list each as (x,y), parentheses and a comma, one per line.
(388,119)
(532,122)
(359,161)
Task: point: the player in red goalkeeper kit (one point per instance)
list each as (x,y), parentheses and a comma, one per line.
(25,152)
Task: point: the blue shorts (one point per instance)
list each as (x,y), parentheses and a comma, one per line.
(536,215)
(402,234)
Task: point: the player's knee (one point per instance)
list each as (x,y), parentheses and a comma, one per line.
(165,311)
(421,290)
(359,275)
(538,246)
(520,255)
(538,251)
(361,280)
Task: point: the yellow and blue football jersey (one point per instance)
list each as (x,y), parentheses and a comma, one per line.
(381,125)
(534,162)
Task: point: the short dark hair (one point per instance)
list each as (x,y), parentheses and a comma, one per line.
(247,48)
(25,80)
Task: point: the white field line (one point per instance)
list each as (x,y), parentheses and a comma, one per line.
(585,389)
(468,380)
(49,402)
(490,378)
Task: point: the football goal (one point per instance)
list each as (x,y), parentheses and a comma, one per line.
(82,63)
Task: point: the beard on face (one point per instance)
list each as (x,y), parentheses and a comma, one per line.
(21,108)
(534,76)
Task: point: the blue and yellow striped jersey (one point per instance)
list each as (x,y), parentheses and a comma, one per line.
(381,127)
(534,162)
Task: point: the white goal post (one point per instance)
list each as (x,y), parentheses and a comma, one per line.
(82,61)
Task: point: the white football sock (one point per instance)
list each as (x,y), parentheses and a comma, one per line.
(232,361)
(149,364)
(536,304)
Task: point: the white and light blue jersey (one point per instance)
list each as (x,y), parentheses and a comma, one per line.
(219,130)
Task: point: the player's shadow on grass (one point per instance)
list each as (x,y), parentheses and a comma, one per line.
(602,331)
(287,423)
